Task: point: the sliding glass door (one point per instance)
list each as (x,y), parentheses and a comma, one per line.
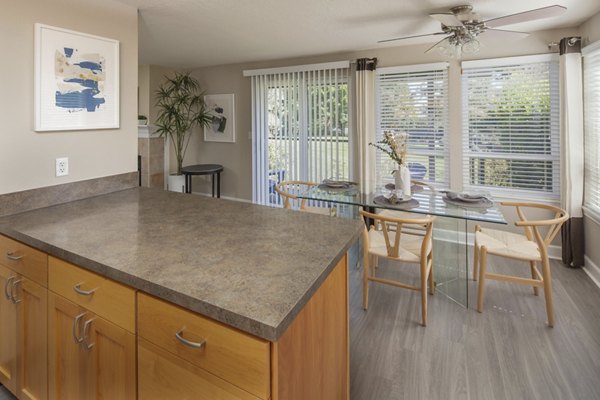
(300,129)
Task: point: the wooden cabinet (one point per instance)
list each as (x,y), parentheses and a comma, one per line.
(89,357)
(8,332)
(310,360)
(239,358)
(23,320)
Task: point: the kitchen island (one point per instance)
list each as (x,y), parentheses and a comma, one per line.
(255,297)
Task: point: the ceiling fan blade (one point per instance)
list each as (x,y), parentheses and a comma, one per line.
(447,19)
(411,37)
(436,45)
(503,34)
(545,12)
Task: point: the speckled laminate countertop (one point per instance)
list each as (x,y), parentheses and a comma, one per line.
(248,266)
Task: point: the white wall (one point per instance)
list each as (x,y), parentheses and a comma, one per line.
(27,158)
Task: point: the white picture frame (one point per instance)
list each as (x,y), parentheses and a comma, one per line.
(222,107)
(76,80)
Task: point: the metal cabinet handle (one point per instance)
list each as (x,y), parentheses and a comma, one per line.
(86,328)
(6,285)
(189,343)
(13,287)
(76,328)
(10,256)
(77,288)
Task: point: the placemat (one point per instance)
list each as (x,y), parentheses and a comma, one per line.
(482,204)
(412,203)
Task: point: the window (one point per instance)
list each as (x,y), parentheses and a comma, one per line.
(511,133)
(591,110)
(415,99)
(300,126)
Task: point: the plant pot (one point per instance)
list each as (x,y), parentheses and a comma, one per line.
(176,183)
(402,180)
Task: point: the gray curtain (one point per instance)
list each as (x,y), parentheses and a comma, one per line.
(572,150)
(365,121)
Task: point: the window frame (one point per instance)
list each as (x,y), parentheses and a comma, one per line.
(554,124)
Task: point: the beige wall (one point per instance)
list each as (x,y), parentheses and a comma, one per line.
(590,33)
(237,157)
(144,90)
(590,30)
(27,158)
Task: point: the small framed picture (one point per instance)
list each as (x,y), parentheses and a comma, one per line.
(76,80)
(222,126)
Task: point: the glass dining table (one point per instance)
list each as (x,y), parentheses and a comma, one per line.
(452,230)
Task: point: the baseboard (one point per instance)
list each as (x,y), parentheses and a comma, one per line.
(223,197)
(592,270)
(554,251)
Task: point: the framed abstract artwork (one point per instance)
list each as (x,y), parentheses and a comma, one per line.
(222,126)
(76,80)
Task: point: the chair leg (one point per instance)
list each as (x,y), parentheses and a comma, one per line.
(534,276)
(431,280)
(424,293)
(548,291)
(366,280)
(475,260)
(482,269)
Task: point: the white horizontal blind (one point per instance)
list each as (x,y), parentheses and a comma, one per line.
(300,128)
(511,132)
(591,109)
(415,99)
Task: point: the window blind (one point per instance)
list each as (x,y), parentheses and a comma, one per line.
(300,127)
(591,109)
(415,99)
(511,132)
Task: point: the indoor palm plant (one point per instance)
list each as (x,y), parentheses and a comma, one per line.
(180,109)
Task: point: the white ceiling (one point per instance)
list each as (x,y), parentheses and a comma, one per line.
(195,33)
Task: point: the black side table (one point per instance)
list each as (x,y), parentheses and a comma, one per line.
(203,169)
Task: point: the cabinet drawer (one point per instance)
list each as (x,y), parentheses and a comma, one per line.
(237,357)
(109,299)
(24,260)
(162,375)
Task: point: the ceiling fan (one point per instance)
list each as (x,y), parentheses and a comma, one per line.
(462,27)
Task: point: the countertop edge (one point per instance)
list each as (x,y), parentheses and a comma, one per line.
(229,318)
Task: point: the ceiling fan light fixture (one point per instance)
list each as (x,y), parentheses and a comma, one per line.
(471,46)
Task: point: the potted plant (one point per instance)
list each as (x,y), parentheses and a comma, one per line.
(180,109)
(395,145)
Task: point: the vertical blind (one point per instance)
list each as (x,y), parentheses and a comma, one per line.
(591,110)
(415,99)
(511,132)
(300,127)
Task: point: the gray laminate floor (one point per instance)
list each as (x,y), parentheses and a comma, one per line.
(5,394)
(508,352)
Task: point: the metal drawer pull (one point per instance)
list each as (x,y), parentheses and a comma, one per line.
(6,285)
(189,343)
(77,288)
(10,256)
(12,290)
(86,328)
(76,328)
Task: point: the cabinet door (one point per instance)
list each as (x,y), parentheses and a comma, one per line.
(32,340)
(111,360)
(66,358)
(8,332)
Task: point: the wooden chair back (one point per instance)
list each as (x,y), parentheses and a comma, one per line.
(289,190)
(391,229)
(532,227)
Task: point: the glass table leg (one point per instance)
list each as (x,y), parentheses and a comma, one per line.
(450,259)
